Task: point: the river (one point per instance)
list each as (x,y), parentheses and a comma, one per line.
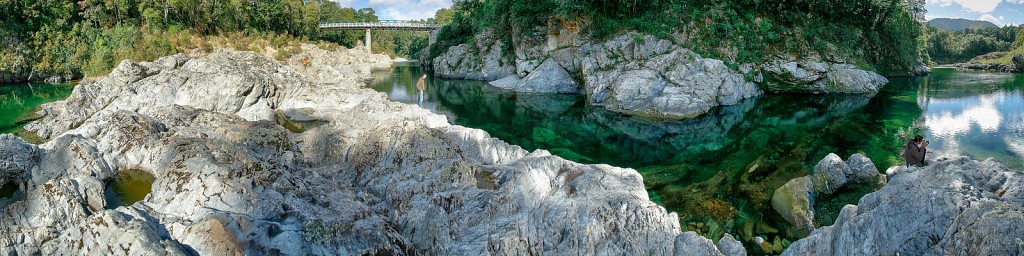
(719,170)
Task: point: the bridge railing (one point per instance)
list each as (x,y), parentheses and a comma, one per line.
(383,24)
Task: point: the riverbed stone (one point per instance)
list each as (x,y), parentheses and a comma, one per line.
(830,174)
(730,246)
(862,170)
(795,202)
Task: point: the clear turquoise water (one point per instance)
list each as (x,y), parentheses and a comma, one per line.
(719,170)
(18,101)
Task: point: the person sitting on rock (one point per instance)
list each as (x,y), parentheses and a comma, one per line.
(915,151)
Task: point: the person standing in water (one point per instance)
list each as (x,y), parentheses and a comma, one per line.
(421,85)
(915,150)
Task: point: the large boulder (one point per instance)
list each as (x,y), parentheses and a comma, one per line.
(830,174)
(795,202)
(954,207)
(788,74)
(654,77)
(549,77)
(17,158)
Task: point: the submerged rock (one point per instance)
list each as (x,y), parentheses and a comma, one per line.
(375,177)
(795,200)
(954,207)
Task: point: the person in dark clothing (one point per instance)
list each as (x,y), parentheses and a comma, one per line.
(915,151)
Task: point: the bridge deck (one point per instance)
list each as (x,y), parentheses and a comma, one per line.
(380,25)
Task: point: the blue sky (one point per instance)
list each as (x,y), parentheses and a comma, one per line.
(1000,12)
(400,9)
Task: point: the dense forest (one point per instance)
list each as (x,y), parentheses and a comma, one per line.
(947,47)
(960,24)
(89,37)
(882,35)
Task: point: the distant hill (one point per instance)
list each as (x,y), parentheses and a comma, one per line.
(960,24)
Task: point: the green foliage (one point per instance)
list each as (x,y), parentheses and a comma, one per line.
(945,46)
(960,24)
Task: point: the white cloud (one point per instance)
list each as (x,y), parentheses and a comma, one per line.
(977,6)
(990,18)
(343,3)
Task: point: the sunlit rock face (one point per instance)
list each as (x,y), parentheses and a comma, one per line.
(955,207)
(254,157)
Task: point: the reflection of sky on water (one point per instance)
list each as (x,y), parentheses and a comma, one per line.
(946,118)
(976,114)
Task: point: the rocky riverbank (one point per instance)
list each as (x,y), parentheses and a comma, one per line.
(953,207)
(1016,63)
(252,156)
(643,75)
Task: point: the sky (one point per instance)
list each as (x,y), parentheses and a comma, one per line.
(401,9)
(999,12)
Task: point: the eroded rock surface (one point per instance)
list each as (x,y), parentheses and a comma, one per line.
(954,207)
(236,175)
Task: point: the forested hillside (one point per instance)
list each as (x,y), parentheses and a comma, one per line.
(947,47)
(88,37)
(960,24)
(882,35)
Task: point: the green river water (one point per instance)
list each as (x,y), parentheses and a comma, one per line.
(719,170)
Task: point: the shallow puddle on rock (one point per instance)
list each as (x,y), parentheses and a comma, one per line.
(127,187)
(8,190)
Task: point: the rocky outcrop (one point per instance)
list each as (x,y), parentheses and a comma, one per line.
(984,62)
(810,76)
(954,207)
(795,200)
(648,76)
(653,77)
(481,60)
(235,175)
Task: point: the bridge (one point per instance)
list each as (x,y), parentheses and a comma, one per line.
(382,25)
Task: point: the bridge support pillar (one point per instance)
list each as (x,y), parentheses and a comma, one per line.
(368,41)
